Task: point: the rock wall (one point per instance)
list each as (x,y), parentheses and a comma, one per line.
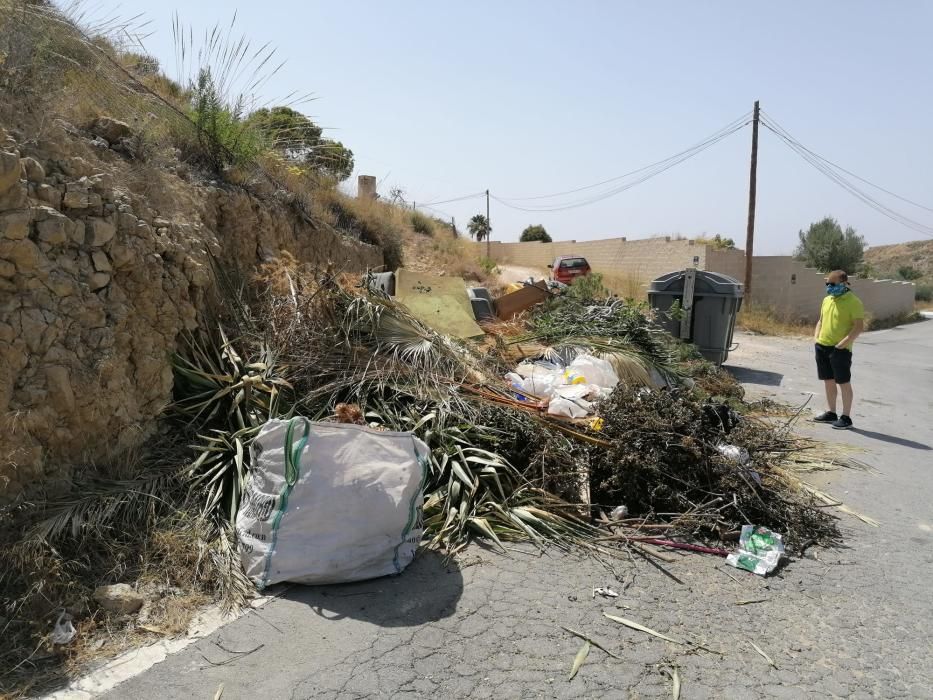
(104,262)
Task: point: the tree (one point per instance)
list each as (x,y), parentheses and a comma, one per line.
(535,233)
(827,247)
(479,228)
(720,243)
(299,140)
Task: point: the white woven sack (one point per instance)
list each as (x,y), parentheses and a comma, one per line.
(330,503)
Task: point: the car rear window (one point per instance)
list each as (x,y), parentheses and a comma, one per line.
(573,263)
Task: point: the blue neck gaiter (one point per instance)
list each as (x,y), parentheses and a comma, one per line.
(836,290)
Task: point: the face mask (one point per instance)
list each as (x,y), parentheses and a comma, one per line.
(836,289)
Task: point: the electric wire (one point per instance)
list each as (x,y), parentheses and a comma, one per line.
(647,173)
(823,167)
(740,122)
(776,124)
(457,199)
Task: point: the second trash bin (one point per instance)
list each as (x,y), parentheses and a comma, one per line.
(709,321)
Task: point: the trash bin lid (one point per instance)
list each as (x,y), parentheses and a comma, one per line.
(706,283)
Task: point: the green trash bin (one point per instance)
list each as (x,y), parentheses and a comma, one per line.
(709,321)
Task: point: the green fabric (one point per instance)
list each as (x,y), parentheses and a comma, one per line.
(837,317)
(292,472)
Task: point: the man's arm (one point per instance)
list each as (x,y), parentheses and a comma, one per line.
(816,333)
(858,325)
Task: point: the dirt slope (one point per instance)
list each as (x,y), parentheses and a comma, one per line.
(886,259)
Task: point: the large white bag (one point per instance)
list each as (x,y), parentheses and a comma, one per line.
(330,502)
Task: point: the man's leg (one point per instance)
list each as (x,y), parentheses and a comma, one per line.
(846,390)
(830,386)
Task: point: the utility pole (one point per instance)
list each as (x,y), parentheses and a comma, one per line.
(752,189)
(488,226)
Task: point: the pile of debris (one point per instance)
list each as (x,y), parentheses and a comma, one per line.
(574,406)
(574,425)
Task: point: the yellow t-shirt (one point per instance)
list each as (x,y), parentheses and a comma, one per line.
(837,316)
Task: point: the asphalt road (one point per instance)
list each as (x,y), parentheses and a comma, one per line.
(853,622)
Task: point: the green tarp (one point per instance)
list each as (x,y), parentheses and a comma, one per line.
(440,302)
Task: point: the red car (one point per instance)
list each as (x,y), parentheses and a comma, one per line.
(567,268)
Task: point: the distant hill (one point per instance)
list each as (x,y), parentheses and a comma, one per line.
(886,260)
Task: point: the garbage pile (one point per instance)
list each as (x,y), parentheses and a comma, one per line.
(569,390)
(578,408)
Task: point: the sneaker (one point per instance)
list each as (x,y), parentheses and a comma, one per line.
(844,423)
(826,417)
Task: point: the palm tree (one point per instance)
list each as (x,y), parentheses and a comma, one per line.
(479,228)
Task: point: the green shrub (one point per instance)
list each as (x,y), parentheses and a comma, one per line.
(489,265)
(588,287)
(909,273)
(422,224)
(924,292)
(224,137)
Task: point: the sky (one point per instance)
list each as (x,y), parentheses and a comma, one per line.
(445,99)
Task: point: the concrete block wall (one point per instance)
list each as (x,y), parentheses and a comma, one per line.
(643,259)
(727,262)
(779,281)
(792,288)
(885,298)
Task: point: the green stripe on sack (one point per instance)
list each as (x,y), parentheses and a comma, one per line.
(292,472)
(412,506)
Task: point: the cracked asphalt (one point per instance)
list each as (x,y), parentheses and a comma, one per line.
(850,623)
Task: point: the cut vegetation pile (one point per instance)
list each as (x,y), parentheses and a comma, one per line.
(295,341)
(292,340)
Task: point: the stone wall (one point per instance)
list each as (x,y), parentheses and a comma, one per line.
(104,262)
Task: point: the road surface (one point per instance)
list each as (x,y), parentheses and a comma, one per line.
(854,623)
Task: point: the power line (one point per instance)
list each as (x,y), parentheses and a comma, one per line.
(458,199)
(847,172)
(434,209)
(648,173)
(851,188)
(740,122)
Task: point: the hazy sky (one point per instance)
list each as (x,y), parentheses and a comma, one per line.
(526,98)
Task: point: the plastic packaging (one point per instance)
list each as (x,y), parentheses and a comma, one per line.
(596,370)
(571,408)
(64,631)
(573,377)
(739,455)
(619,512)
(759,551)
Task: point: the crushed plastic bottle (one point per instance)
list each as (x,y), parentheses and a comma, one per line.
(619,512)
(759,551)
(739,455)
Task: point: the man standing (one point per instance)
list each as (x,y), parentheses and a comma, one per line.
(841,321)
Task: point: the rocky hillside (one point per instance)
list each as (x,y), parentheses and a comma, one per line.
(105,261)
(887,260)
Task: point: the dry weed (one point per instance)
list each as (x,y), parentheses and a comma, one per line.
(769,321)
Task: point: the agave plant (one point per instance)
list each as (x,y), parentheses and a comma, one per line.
(226,399)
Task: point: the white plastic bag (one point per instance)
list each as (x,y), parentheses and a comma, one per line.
(539,380)
(568,401)
(330,503)
(596,370)
(64,631)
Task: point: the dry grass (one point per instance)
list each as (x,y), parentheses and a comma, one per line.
(769,321)
(626,285)
(442,252)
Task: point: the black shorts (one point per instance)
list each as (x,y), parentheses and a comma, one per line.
(833,363)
